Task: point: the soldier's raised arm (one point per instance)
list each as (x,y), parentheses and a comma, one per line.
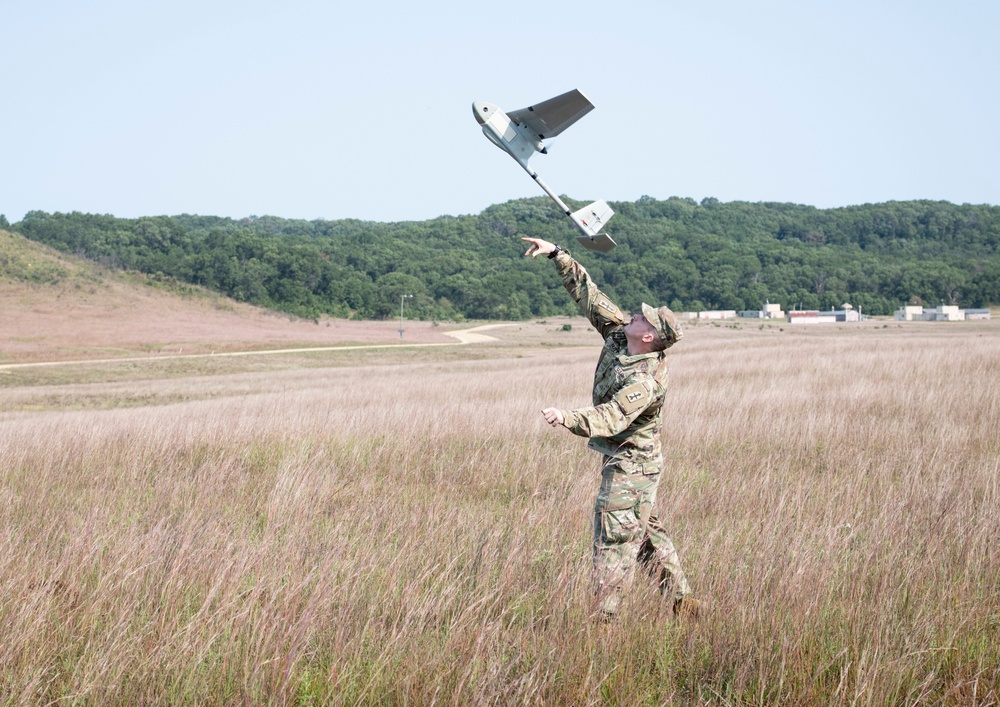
(596,306)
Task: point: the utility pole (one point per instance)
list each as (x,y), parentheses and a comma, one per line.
(401,298)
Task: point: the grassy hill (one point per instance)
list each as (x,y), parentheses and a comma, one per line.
(58,307)
(687,255)
(35,268)
(24,261)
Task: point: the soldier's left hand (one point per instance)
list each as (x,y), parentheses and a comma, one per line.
(553,416)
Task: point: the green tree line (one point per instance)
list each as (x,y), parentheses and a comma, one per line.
(689,255)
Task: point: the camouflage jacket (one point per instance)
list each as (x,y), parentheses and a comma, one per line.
(625,419)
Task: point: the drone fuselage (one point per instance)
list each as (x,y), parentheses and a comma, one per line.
(516,140)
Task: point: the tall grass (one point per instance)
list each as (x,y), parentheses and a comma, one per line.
(415,534)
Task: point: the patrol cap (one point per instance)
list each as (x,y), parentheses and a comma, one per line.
(664,322)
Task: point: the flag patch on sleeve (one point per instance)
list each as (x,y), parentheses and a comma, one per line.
(615,314)
(632,398)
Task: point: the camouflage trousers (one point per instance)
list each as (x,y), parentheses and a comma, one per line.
(627,532)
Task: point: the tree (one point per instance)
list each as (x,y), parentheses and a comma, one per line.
(709,254)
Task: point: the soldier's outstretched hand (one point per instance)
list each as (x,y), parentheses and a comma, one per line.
(553,416)
(538,247)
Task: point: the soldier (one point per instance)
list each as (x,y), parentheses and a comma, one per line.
(624,426)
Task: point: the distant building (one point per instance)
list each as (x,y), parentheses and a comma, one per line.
(718,314)
(908,313)
(844,315)
(807,316)
(944,313)
(814,316)
(770,311)
(773,311)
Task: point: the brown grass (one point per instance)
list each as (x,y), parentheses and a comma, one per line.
(408,531)
(58,308)
(116,319)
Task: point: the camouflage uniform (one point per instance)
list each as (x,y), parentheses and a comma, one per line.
(624,426)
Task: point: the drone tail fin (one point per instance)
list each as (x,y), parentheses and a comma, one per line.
(591,219)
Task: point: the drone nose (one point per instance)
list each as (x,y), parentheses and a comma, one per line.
(482,111)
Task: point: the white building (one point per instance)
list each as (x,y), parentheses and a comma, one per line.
(944,313)
(909,312)
(770,311)
(773,311)
(718,314)
(814,316)
(810,316)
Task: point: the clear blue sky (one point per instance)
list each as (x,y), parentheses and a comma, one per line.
(308,109)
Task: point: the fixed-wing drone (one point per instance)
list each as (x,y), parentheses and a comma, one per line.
(520,134)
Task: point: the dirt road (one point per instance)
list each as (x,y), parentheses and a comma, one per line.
(463,336)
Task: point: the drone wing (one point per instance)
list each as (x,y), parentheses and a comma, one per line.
(549,118)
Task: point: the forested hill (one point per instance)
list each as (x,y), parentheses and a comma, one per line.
(689,255)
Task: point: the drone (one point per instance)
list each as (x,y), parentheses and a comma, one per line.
(521,133)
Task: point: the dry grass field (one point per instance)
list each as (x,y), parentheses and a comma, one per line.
(58,308)
(399,526)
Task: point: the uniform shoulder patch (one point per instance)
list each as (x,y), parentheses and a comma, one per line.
(610,311)
(633,397)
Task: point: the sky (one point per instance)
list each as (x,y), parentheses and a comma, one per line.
(327,110)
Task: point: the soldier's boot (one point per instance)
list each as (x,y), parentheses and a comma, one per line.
(609,600)
(605,618)
(687,609)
